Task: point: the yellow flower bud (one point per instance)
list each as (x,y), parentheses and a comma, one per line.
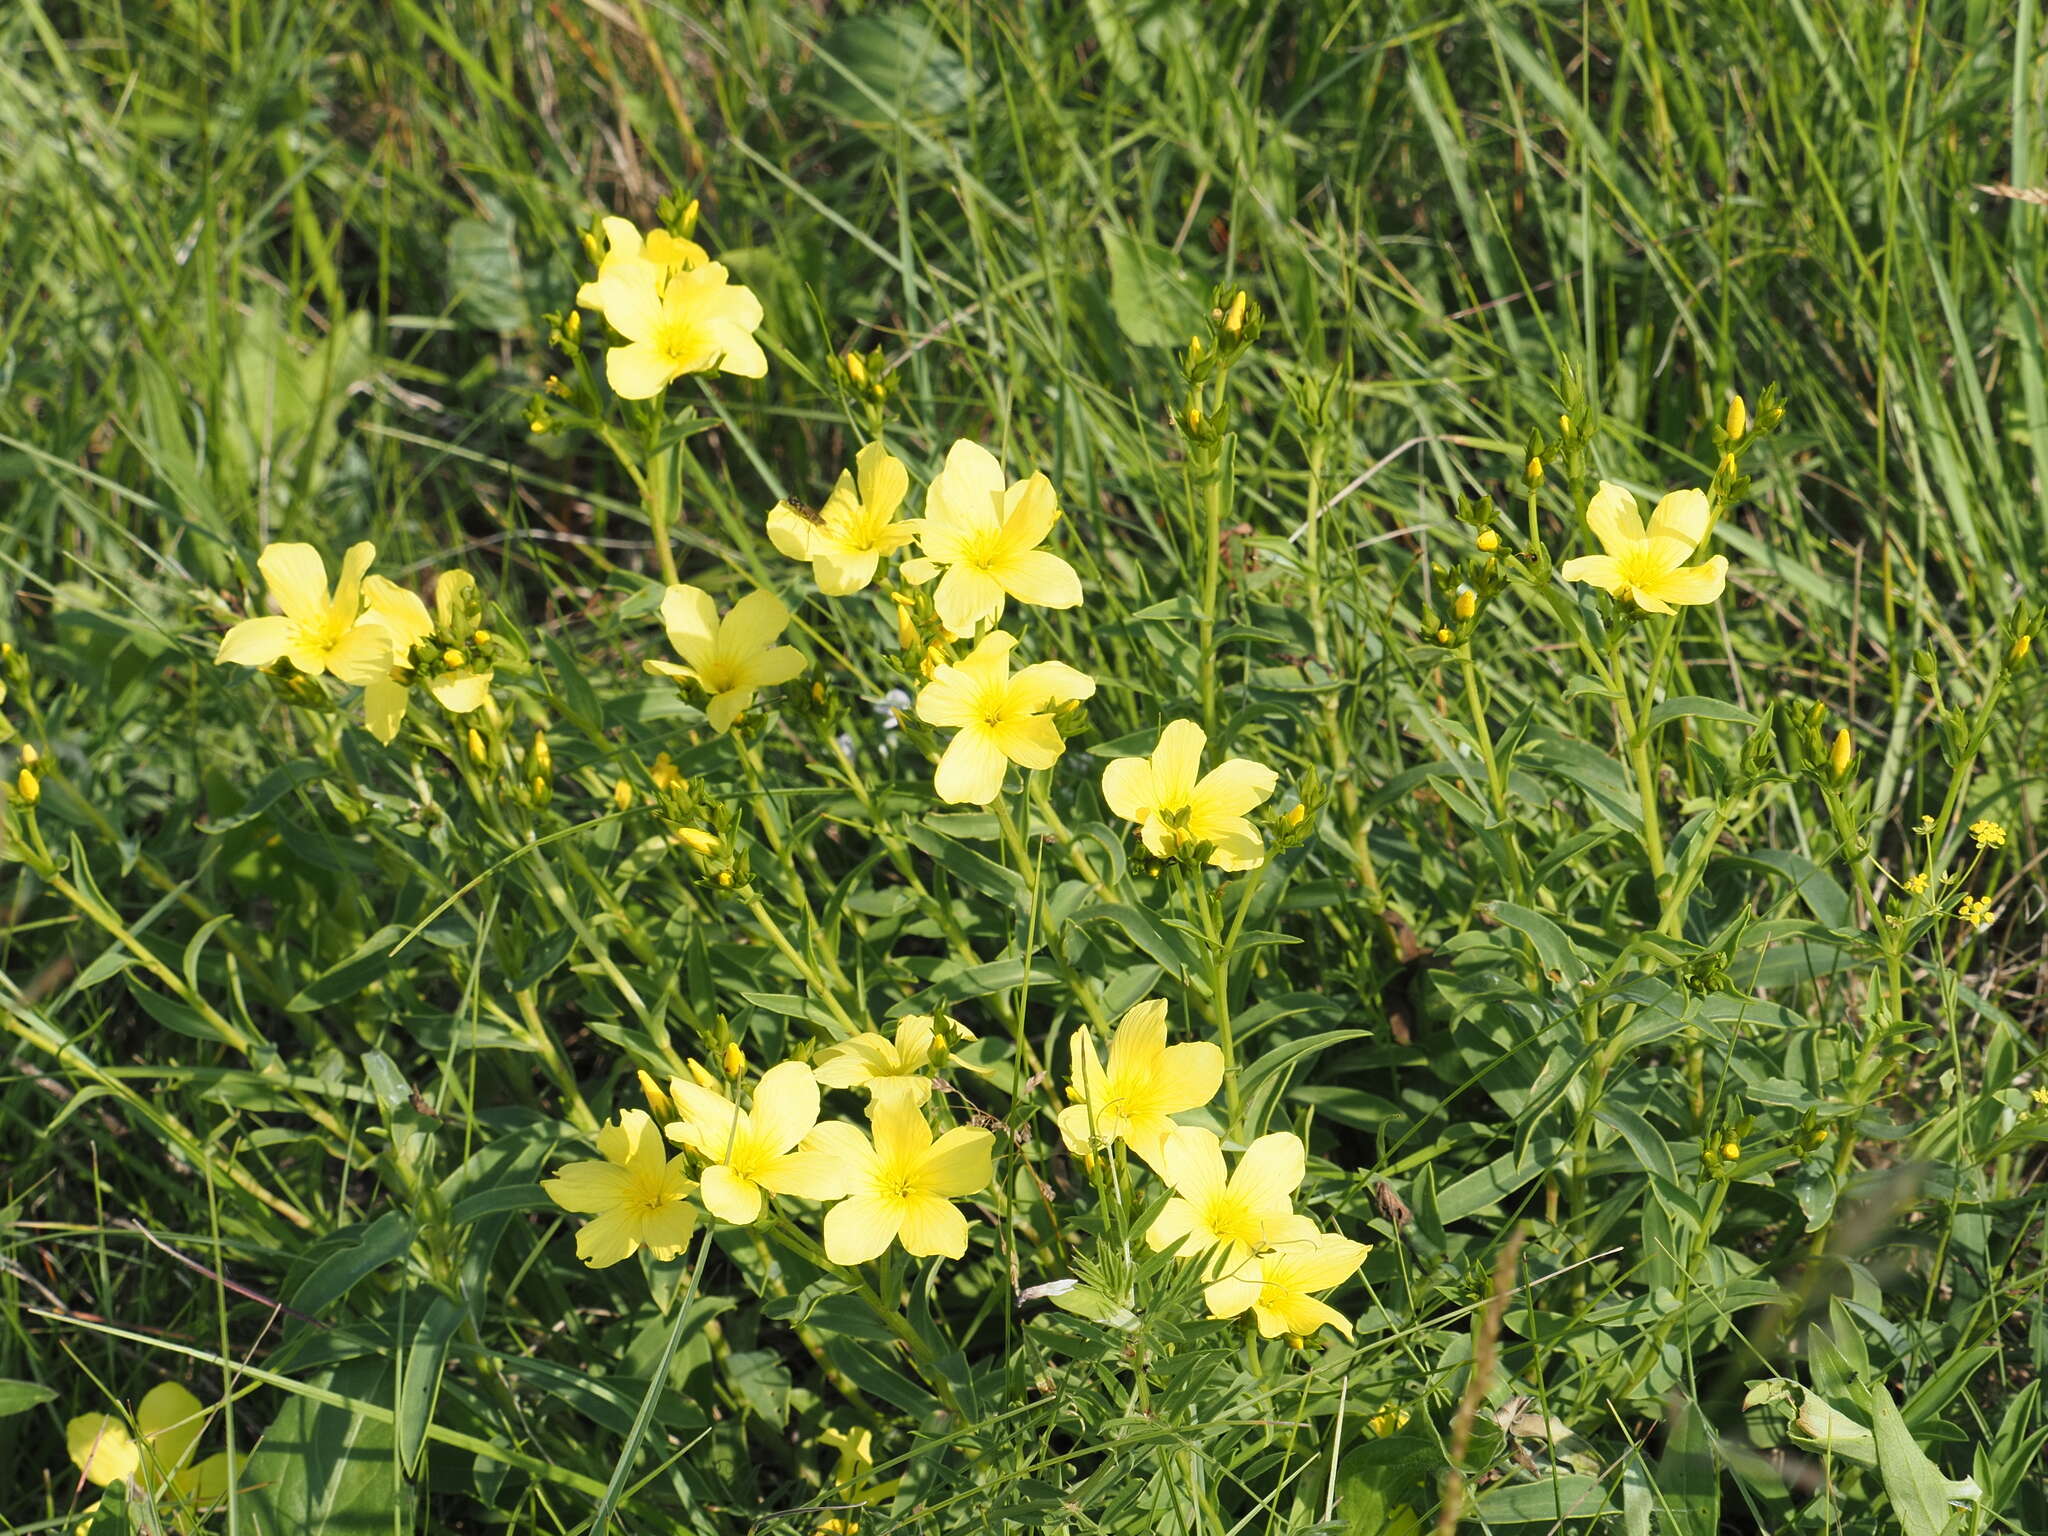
(1234,321)
(818,694)
(1730,1151)
(1465,604)
(664,773)
(1841,754)
(29,755)
(1564,425)
(452,657)
(1488,541)
(1293,815)
(28,786)
(573,326)
(1443,636)
(734,1061)
(483,639)
(2020,647)
(700,1073)
(696,839)
(657,1101)
(725,877)
(622,795)
(1737,420)
(543,760)
(477,752)
(856,370)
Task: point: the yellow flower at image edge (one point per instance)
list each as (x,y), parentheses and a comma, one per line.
(1276,1284)
(984,533)
(731,658)
(1647,566)
(170,1420)
(846,539)
(691,322)
(460,689)
(902,1185)
(749,1152)
(1146,1083)
(1222,1216)
(315,630)
(997,719)
(1210,808)
(638,1195)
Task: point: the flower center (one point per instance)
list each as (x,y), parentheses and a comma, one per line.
(1231,1220)
(677,340)
(719,677)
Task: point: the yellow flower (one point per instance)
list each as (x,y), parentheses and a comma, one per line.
(1276,1283)
(1976,911)
(984,533)
(171,1420)
(998,719)
(1225,1218)
(845,540)
(632,257)
(1915,885)
(888,1068)
(1389,1420)
(692,321)
(315,631)
(749,1151)
(462,685)
(902,1185)
(664,774)
(1987,834)
(1488,541)
(1146,1084)
(1648,566)
(730,658)
(1173,807)
(639,1197)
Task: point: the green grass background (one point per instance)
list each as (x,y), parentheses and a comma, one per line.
(280,271)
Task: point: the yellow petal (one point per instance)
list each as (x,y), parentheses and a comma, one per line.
(1186,1076)
(727,707)
(610,1239)
(1612,517)
(809,1174)
(958,1163)
(1682,515)
(667,1230)
(348,587)
(841,575)
(254,642)
(1602,571)
(207,1483)
(170,1419)
(101,1448)
(1039,577)
(1177,762)
(860,1228)
(384,704)
(968,492)
(754,624)
(1194,1164)
(967,598)
(902,1138)
(631,301)
(729,1197)
(949,699)
(1232,788)
(589,1187)
(1233,1293)
(1031,742)
(883,480)
(1175,1221)
(972,767)
(785,1106)
(400,611)
(791,532)
(460,693)
(1127,788)
(844,1143)
(639,371)
(768,668)
(1049,682)
(691,619)
(932,1228)
(362,656)
(1269,1173)
(1029,511)
(1286,1313)
(1139,1042)
(297,578)
(1693,584)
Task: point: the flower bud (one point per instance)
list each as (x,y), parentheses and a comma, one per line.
(696,839)
(1532,472)
(542,760)
(622,795)
(1443,636)
(700,1074)
(1234,321)
(1731,1150)
(1293,815)
(665,774)
(1737,420)
(453,658)
(906,625)
(1841,754)
(734,1060)
(1488,541)
(28,786)
(478,753)
(29,755)
(2018,652)
(657,1101)
(1465,604)
(856,370)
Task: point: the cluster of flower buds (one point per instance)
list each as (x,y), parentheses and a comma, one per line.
(1721,1150)
(1472,581)
(699,823)
(867,380)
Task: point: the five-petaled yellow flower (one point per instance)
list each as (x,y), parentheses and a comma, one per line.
(1276,1283)
(315,630)
(459,685)
(731,659)
(1174,808)
(1224,1218)
(997,718)
(902,1185)
(846,539)
(1647,566)
(691,321)
(752,1151)
(1146,1083)
(885,1067)
(170,1419)
(630,256)
(639,1195)
(984,533)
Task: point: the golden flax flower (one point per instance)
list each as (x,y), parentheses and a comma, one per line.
(1175,808)
(1647,566)
(755,1151)
(459,677)
(846,540)
(902,1184)
(983,532)
(638,1195)
(170,1420)
(630,256)
(731,658)
(997,718)
(692,321)
(888,1068)
(1224,1217)
(1146,1083)
(1277,1283)
(315,630)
